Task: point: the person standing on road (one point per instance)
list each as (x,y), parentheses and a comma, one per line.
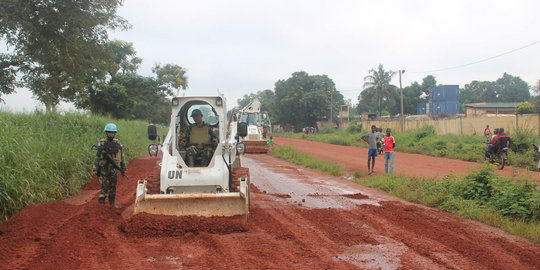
(371,139)
(108,161)
(487,132)
(389,144)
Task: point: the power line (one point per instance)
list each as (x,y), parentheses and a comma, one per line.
(479,61)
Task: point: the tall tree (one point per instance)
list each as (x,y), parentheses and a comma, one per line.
(378,89)
(57,43)
(303,99)
(120,92)
(172,77)
(508,88)
(412,97)
(427,83)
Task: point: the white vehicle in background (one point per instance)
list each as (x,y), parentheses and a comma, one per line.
(258,126)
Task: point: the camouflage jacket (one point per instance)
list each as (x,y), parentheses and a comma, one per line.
(118,157)
(213,136)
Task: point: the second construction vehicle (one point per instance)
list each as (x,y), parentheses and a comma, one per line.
(201,172)
(258,127)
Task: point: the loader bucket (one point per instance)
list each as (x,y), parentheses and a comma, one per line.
(256,146)
(199,204)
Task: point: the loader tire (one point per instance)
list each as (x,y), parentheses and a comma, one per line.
(152,183)
(237,173)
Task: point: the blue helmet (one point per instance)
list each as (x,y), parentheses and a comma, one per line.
(110,127)
(196,112)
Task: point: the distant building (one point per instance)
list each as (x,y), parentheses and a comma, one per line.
(344,113)
(482,108)
(443,99)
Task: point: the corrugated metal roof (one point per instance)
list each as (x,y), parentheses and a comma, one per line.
(508,105)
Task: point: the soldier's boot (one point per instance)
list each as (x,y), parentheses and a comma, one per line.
(112,204)
(191,161)
(101,200)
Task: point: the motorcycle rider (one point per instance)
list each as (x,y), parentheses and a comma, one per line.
(490,150)
(502,141)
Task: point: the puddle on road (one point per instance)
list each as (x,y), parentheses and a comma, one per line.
(292,185)
(386,256)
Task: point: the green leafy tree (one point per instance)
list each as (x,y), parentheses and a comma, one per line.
(57,43)
(512,88)
(427,83)
(303,99)
(412,97)
(172,77)
(120,92)
(508,88)
(525,108)
(379,93)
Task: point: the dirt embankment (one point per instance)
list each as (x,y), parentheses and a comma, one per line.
(300,218)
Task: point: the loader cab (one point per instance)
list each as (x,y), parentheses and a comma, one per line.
(184,121)
(250,118)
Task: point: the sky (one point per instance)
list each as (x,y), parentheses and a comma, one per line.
(241,46)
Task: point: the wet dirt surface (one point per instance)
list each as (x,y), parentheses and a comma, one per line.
(354,159)
(299,219)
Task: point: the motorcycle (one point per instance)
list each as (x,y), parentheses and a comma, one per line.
(500,158)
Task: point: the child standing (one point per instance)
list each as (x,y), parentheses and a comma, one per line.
(389,144)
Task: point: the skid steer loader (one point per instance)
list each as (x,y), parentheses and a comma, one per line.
(215,187)
(258,126)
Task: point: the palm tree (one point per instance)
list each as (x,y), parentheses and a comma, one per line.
(377,87)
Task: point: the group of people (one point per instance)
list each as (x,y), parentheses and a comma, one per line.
(498,141)
(309,130)
(378,142)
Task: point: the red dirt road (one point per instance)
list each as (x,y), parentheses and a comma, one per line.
(354,159)
(300,219)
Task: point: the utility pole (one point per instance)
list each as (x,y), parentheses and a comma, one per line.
(402,110)
(331,104)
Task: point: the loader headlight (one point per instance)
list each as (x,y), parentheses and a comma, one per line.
(240,147)
(153,150)
(219,102)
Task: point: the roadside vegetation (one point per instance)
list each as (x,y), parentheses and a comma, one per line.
(512,204)
(46,157)
(425,141)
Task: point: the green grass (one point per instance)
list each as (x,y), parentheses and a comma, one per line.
(425,141)
(46,157)
(508,203)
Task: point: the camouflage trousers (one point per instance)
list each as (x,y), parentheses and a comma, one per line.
(205,153)
(108,180)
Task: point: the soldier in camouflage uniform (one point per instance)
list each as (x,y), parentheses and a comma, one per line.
(108,155)
(201,138)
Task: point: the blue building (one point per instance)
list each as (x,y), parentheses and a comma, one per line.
(443,99)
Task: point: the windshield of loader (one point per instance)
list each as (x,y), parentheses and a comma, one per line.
(250,118)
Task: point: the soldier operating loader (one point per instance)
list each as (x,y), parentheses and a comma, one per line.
(201,172)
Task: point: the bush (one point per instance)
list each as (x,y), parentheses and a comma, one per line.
(354,128)
(524,108)
(327,130)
